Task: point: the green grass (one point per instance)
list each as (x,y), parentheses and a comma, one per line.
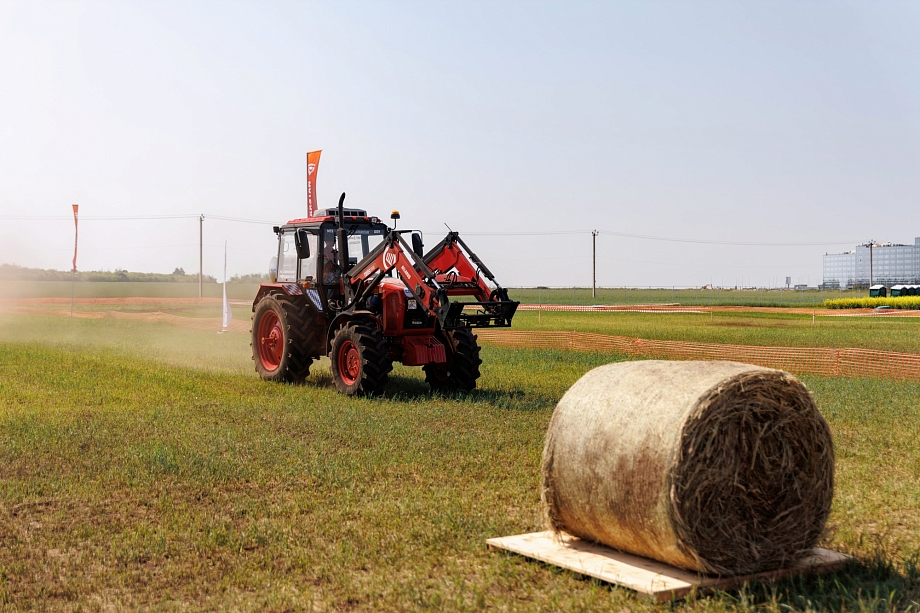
(900,302)
(690,297)
(162,343)
(582,296)
(129,480)
(765,329)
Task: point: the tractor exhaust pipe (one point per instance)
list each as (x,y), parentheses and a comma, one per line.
(342,237)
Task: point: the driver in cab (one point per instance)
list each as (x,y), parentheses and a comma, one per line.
(331,269)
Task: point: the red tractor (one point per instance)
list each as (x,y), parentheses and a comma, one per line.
(349,287)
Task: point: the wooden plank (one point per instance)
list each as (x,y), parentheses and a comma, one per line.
(656,579)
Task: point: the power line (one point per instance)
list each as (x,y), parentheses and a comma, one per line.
(95,218)
(242,220)
(132,217)
(737,243)
(535,233)
(670,239)
(667,238)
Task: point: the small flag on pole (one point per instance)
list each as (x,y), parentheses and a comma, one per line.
(228,314)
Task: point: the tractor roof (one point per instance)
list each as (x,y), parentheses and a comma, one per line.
(333,214)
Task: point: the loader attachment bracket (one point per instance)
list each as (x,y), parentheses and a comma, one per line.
(492,314)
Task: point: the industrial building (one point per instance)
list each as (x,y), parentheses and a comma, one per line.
(883,263)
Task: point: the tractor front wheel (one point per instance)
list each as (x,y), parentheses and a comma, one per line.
(281,340)
(462,368)
(360,362)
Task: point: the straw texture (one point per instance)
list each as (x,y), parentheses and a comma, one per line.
(718,467)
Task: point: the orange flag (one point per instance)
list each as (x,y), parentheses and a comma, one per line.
(312,165)
(75,234)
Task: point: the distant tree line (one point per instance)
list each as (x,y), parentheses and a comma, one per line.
(250,278)
(22,273)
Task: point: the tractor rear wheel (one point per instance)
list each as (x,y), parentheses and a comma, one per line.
(360,362)
(462,368)
(282,338)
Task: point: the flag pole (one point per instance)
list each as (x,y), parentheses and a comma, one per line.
(227,313)
(73,270)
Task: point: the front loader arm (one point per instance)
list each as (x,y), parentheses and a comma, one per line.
(391,254)
(455,259)
(460,272)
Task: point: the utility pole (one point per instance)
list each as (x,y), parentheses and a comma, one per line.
(871,244)
(200,253)
(594,234)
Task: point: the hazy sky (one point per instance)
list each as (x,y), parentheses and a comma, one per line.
(736,122)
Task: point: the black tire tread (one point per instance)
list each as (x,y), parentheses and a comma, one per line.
(376,363)
(300,339)
(463,365)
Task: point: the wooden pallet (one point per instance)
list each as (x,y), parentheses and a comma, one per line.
(656,579)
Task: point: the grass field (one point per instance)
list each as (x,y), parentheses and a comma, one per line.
(741,328)
(582,296)
(146,466)
(47,289)
(689,297)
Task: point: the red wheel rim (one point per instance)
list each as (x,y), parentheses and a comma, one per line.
(271,340)
(349,362)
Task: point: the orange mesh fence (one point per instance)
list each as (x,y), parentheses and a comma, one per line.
(828,362)
(614,308)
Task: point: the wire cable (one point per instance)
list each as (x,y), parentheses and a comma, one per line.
(737,243)
(134,217)
(670,239)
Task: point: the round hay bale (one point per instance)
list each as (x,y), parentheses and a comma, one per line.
(717,467)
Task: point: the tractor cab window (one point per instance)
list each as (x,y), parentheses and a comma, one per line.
(287,258)
(355,249)
(308,265)
(367,237)
(331,269)
(361,240)
(373,240)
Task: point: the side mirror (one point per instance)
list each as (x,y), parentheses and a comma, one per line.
(302,241)
(417,245)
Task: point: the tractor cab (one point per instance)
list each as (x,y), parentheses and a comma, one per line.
(308,251)
(308,245)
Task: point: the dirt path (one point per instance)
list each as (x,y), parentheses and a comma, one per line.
(134,300)
(198,323)
(40,306)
